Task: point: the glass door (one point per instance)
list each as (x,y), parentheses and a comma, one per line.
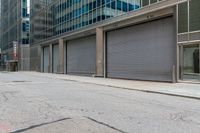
(189,62)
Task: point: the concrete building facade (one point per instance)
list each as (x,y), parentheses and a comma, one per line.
(15,34)
(155,40)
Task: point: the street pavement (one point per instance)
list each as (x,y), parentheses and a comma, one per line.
(32,103)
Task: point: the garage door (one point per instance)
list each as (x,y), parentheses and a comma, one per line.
(144,52)
(81,56)
(46,59)
(55,58)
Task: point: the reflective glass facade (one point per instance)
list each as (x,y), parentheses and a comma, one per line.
(54,17)
(15,24)
(189,16)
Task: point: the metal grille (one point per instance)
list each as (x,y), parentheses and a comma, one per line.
(145,51)
(81,55)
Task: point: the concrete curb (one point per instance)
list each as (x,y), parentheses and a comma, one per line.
(135,89)
(116,86)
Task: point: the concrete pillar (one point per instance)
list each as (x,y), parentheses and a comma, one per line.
(199,57)
(65,58)
(61,56)
(99,52)
(181,63)
(40,54)
(50,58)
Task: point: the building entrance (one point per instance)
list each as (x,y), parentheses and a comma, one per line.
(189,62)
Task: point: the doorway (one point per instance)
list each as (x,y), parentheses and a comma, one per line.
(189,62)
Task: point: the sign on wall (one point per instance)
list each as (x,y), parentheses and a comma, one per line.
(15,49)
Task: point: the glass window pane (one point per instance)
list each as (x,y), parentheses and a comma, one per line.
(182,18)
(145,2)
(194,15)
(190,69)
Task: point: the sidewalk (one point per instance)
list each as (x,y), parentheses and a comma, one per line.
(176,89)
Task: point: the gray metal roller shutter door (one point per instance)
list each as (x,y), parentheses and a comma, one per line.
(46,59)
(144,52)
(81,55)
(55,58)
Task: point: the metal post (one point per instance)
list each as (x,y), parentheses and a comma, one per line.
(174,74)
(181,62)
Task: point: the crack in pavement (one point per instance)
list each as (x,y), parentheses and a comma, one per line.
(39,125)
(104,124)
(47,123)
(5,96)
(182,116)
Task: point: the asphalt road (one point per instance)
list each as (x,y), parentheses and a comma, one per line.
(31,103)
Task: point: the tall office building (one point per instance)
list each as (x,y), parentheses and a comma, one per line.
(0,39)
(131,39)
(50,18)
(56,17)
(15,34)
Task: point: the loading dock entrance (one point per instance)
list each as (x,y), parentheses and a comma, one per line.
(81,56)
(145,51)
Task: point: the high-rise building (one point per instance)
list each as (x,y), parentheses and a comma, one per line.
(0,39)
(52,17)
(15,34)
(131,39)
